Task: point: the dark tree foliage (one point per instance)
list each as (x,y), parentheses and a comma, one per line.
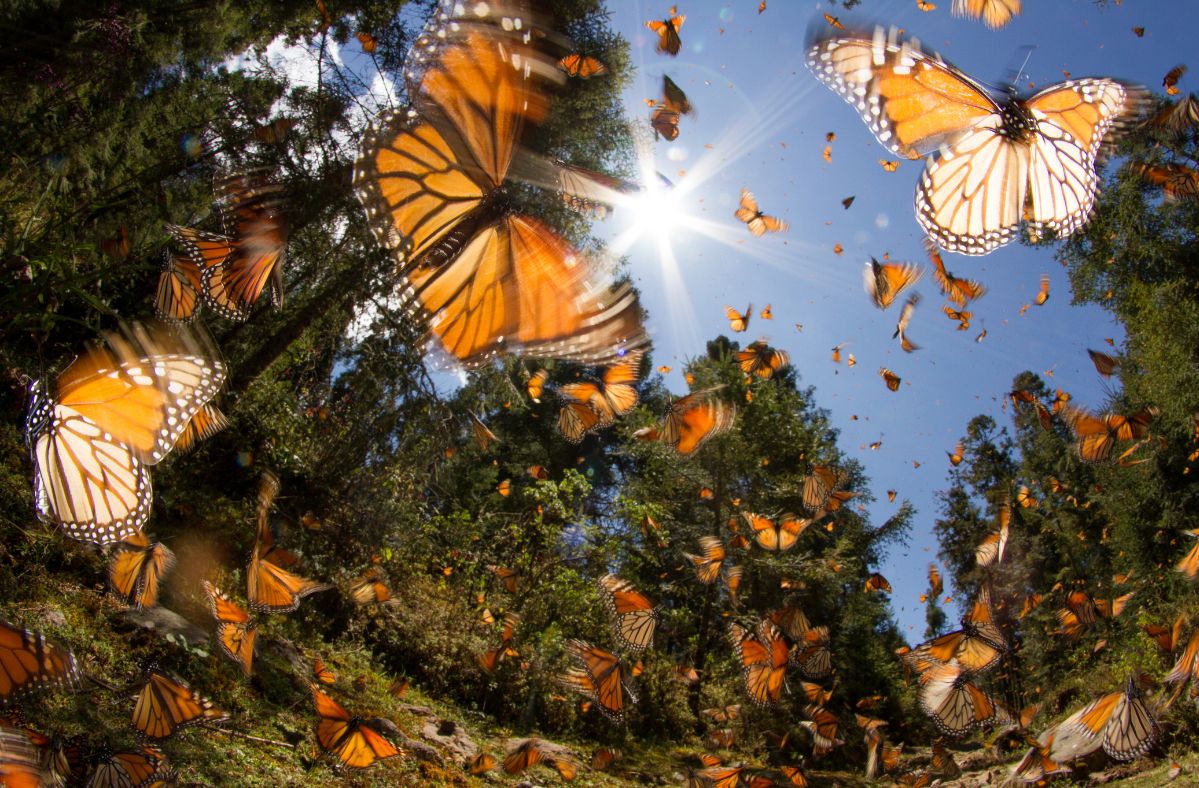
(1117,527)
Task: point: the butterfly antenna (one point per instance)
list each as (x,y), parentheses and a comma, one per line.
(1014,80)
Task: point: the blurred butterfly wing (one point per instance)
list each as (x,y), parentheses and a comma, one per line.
(135,573)
(692,420)
(352,741)
(207,422)
(668,34)
(996,13)
(206,251)
(1131,731)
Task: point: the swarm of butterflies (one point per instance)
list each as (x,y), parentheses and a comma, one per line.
(485,280)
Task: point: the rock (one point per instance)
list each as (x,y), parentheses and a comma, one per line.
(167,623)
(451,737)
(420,711)
(422,751)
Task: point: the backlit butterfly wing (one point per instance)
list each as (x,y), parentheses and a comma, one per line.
(665,122)
(759,223)
(996,13)
(668,33)
(615,396)
(179,289)
(116,409)
(536,384)
(707,566)
(496,281)
(634,617)
(959,291)
(763,658)
(694,419)
(28,662)
(272,589)
(352,740)
(481,763)
(1177,181)
(737,321)
(956,706)
(819,485)
(762,360)
(890,378)
(207,422)
(1127,725)
(136,569)
(607,674)
(19,761)
(524,756)
(971,197)
(166,704)
(253,219)
(885,281)
(235,631)
(576,419)
(823,728)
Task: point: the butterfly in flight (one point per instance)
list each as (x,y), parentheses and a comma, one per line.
(993,161)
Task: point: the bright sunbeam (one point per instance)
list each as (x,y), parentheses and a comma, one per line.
(657,209)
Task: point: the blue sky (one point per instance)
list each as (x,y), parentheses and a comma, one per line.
(760,122)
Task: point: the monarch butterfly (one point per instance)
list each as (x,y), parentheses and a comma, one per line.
(527,754)
(1178,117)
(996,13)
(275,131)
(582,66)
(668,33)
(633,615)
(963,317)
(536,384)
(737,321)
(1177,181)
(607,675)
(179,287)
(235,630)
(975,647)
(780,536)
(823,728)
(935,584)
(207,422)
(576,419)
(1187,665)
(123,769)
(716,777)
(1189,565)
(791,620)
(994,157)
(269,587)
(166,704)
(877,582)
(1097,435)
(509,578)
(759,223)
(959,453)
(763,658)
(732,579)
(250,205)
(481,763)
(604,757)
(490,659)
(722,715)
(901,326)
(990,549)
(352,740)
(665,122)
(115,410)
(370,588)
(20,765)
(819,485)
(487,279)
(1123,720)
(815,693)
(885,281)
(707,565)
(28,662)
(890,378)
(322,673)
(959,291)
(955,705)
(137,568)
(369,44)
(694,419)
(483,435)
(615,395)
(1042,294)
(1166,638)
(762,360)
